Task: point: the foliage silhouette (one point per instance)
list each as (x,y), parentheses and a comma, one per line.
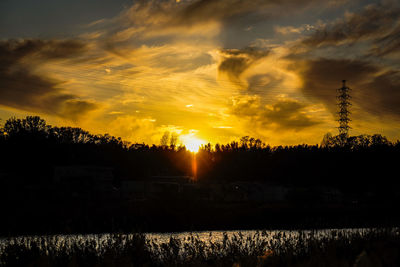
(363,170)
(368,248)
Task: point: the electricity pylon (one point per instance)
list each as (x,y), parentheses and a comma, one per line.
(344,113)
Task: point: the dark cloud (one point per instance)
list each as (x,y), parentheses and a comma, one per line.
(321,77)
(22,88)
(382,94)
(75,108)
(378,24)
(206,10)
(188,13)
(260,83)
(245,106)
(13,50)
(374,89)
(156,16)
(389,44)
(373,32)
(201,11)
(289,114)
(285,114)
(236,61)
(158,22)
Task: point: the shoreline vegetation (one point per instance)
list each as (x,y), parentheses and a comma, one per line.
(373,247)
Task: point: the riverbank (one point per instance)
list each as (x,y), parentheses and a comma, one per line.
(377,247)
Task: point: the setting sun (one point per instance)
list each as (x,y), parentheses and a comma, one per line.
(192,143)
(223,117)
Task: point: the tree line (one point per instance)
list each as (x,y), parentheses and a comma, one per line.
(31,201)
(30,148)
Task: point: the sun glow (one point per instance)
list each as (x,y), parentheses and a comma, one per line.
(192,143)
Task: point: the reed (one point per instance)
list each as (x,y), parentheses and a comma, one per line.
(376,247)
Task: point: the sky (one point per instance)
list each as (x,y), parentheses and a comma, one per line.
(203,70)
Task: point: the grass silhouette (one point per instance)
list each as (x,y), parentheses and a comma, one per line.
(376,247)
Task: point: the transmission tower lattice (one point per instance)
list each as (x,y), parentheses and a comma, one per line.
(344,113)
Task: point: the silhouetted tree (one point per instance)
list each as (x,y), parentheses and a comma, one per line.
(173,140)
(164,139)
(31,149)
(32,142)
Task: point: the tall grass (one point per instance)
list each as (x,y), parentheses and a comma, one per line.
(376,247)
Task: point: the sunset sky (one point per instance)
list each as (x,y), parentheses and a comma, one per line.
(207,70)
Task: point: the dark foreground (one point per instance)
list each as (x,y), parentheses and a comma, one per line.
(41,217)
(374,248)
(66,180)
